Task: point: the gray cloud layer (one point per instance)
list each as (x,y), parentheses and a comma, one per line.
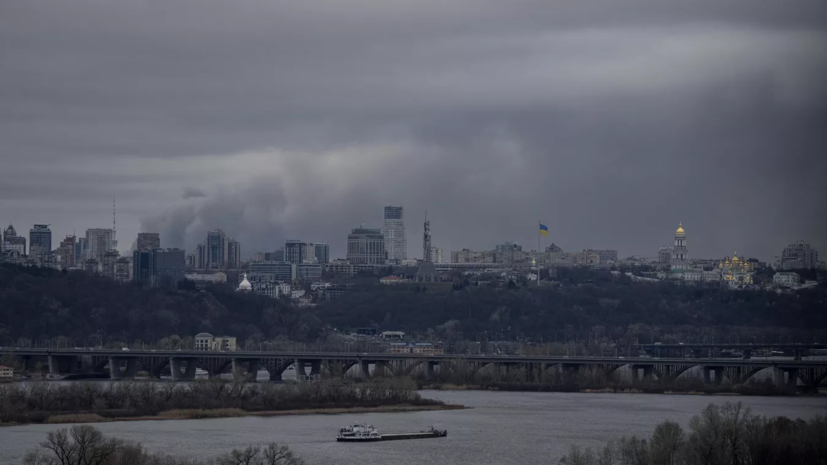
(609,120)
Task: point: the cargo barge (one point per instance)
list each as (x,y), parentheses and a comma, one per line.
(367,433)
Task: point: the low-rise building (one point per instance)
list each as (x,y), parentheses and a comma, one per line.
(392,335)
(392,280)
(206,341)
(786,278)
(6,372)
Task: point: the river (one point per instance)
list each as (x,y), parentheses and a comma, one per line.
(500,428)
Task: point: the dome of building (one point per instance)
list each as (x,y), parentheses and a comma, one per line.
(245,285)
(735,257)
(202,335)
(680,229)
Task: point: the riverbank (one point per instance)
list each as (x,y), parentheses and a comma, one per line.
(727,390)
(202,414)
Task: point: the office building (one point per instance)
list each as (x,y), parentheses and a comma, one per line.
(98,242)
(148,241)
(159,267)
(798,255)
(309,271)
(167,267)
(142,266)
(393,229)
(40,243)
(322,252)
(13,242)
(366,246)
(279,271)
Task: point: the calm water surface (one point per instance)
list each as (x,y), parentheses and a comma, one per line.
(501,428)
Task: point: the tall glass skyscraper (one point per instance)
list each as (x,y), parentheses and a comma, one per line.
(393,228)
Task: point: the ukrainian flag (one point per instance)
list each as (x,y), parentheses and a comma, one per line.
(543,229)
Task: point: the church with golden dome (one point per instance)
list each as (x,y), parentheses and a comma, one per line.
(736,271)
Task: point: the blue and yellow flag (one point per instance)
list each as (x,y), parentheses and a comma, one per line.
(543,229)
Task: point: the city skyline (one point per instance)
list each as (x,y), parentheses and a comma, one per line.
(247,254)
(609,127)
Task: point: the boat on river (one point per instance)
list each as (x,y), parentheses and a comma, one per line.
(367,433)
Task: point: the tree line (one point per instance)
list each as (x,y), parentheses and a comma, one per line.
(36,402)
(86,445)
(721,435)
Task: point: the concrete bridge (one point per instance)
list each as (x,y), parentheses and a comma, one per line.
(182,365)
(703,350)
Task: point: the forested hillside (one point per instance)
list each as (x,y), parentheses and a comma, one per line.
(612,308)
(41,303)
(44,303)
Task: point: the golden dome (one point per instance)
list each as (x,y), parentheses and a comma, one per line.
(735,257)
(680,229)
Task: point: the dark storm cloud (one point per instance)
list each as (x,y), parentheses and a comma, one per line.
(609,120)
(192,192)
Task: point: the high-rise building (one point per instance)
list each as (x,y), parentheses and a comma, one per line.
(393,229)
(98,242)
(218,252)
(40,242)
(298,252)
(66,252)
(366,246)
(142,266)
(798,255)
(122,269)
(148,241)
(200,261)
(233,254)
(13,242)
(80,251)
(158,267)
(216,249)
(322,251)
(110,259)
(168,267)
(679,252)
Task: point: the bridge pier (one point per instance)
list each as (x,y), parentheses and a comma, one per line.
(62,364)
(252,366)
(364,366)
(115,371)
(790,380)
(429,369)
(713,375)
(175,368)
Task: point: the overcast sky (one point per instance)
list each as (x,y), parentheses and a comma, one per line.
(609,120)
